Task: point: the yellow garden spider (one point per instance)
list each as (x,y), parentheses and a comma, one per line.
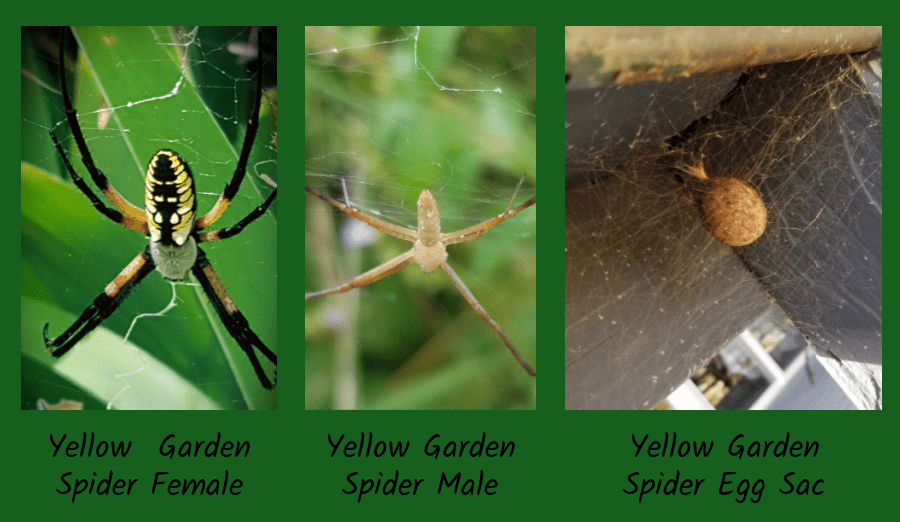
(428,251)
(169,218)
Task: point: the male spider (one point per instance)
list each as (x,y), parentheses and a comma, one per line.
(428,251)
(169,218)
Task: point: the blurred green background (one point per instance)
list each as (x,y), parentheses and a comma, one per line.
(391,111)
(70,252)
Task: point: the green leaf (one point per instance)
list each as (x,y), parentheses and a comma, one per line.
(70,252)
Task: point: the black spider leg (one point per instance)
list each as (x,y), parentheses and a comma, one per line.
(72,117)
(237,228)
(231,188)
(234,184)
(103,306)
(134,221)
(233,319)
(112,214)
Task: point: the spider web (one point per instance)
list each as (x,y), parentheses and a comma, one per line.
(650,297)
(390,112)
(138,90)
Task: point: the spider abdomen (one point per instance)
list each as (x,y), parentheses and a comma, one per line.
(169,200)
(429,219)
(428,250)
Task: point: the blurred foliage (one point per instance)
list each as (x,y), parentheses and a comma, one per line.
(390,112)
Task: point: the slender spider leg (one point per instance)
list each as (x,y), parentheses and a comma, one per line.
(388,228)
(225,233)
(379,272)
(470,233)
(168,218)
(480,229)
(103,306)
(131,216)
(231,188)
(428,252)
(137,224)
(470,297)
(233,319)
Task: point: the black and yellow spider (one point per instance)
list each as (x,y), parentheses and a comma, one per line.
(169,218)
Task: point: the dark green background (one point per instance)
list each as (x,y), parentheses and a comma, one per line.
(567,464)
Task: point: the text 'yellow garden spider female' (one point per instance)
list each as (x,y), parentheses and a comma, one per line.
(169,218)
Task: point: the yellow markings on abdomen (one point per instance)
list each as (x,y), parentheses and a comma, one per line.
(169,199)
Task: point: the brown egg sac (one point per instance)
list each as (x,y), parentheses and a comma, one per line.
(734,212)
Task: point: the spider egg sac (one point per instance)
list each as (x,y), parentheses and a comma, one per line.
(734,212)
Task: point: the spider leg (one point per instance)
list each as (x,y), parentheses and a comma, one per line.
(379,272)
(484,315)
(384,226)
(231,188)
(136,224)
(467,234)
(130,216)
(103,306)
(233,319)
(225,233)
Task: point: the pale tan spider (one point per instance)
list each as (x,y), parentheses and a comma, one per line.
(428,251)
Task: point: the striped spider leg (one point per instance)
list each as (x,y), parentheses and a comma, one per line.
(174,229)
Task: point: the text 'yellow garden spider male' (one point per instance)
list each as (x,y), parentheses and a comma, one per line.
(169,218)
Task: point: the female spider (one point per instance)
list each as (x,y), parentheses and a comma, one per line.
(169,218)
